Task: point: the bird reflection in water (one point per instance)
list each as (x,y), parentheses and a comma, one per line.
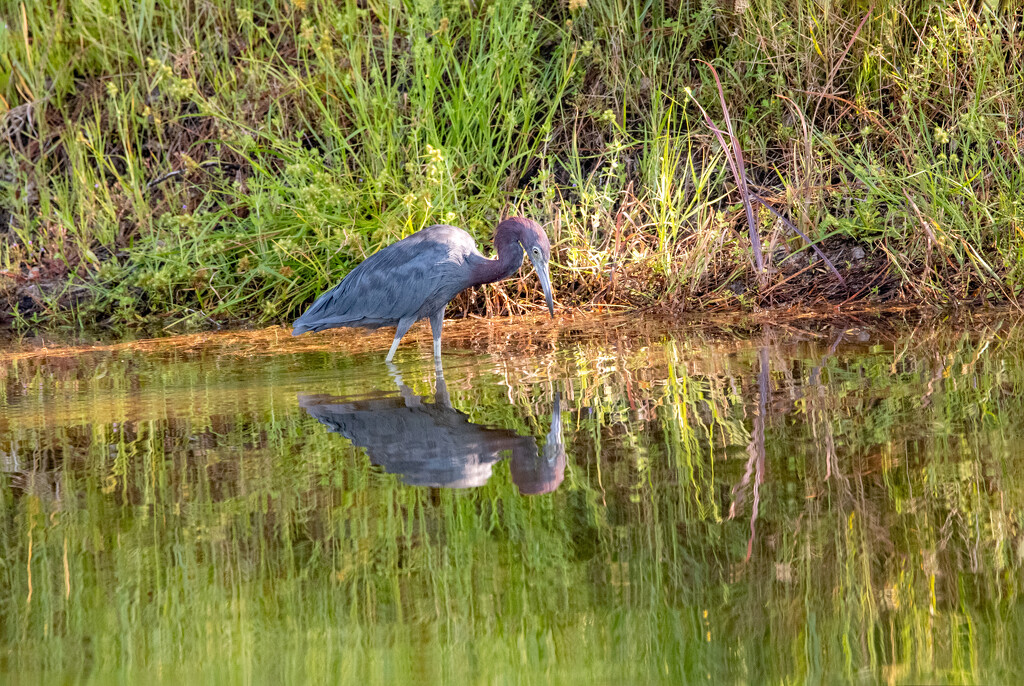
(433,444)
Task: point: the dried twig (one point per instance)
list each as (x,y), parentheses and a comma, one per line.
(792,226)
(734,156)
(228,166)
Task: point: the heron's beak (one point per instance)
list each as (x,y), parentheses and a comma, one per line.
(541,266)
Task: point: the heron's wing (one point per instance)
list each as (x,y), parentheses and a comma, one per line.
(396,282)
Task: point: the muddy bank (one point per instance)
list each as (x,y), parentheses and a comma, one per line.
(532,335)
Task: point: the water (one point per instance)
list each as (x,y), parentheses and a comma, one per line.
(610,502)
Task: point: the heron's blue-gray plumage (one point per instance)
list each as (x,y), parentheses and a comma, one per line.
(376,293)
(428,443)
(416,277)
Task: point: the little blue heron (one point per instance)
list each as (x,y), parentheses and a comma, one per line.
(416,277)
(434,444)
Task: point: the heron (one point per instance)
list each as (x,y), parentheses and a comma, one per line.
(415,278)
(434,444)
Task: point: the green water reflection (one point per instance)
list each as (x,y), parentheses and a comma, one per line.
(633,503)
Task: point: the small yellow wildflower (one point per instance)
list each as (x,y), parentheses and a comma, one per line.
(435,154)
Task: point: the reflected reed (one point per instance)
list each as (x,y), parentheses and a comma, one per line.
(810,504)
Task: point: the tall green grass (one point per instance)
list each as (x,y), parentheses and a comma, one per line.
(307,135)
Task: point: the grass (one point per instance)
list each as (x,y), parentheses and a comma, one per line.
(176,167)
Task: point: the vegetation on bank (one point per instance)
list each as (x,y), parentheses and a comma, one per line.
(176,165)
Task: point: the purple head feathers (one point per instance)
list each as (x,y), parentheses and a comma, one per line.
(526,232)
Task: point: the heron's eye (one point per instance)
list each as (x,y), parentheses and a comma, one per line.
(536,251)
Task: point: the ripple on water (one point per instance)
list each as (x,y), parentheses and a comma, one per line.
(591,499)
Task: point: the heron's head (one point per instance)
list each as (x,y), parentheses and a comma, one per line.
(535,242)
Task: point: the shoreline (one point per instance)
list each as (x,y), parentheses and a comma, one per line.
(496,332)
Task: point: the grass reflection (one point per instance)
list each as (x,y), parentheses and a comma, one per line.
(775,506)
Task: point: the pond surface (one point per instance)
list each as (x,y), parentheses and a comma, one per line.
(619,501)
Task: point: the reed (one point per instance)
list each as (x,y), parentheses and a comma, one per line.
(172,166)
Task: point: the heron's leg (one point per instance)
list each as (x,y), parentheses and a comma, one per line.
(436,322)
(403,326)
(441,396)
(410,398)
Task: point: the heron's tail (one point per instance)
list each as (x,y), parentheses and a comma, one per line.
(303,324)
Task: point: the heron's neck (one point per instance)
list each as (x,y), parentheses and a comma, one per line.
(510,259)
